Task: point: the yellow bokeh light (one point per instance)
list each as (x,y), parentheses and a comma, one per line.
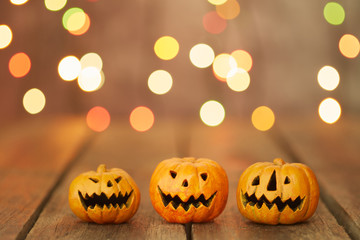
(166,48)
(76,21)
(160,82)
(141,119)
(263,118)
(243,59)
(212,113)
(69,68)
(349,46)
(84,28)
(18,2)
(328,78)
(89,79)
(55,5)
(34,101)
(202,55)
(5,36)
(229,10)
(217,2)
(91,60)
(222,65)
(329,110)
(238,80)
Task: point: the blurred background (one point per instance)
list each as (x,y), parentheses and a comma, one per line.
(206,60)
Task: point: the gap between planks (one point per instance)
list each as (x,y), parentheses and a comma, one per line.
(341,216)
(34,217)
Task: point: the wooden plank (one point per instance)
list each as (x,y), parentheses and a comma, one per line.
(136,153)
(333,152)
(33,155)
(236,145)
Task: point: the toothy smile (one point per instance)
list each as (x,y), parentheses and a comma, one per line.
(102,200)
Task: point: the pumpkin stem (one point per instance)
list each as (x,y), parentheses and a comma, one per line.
(279,161)
(101,168)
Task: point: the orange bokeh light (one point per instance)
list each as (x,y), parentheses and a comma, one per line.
(84,28)
(229,10)
(141,119)
(98,119)
(213,23)
(19,65)
(349,46)
(243,59)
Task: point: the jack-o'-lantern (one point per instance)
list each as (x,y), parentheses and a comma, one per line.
(104,196)
(186,190)
(278,192)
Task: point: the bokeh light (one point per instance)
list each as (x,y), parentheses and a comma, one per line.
(243,59)
(55,5)
(238,79)
(141,119)
(160,82)
(334,13)
(34,101)
(89,79)
(213,23)
(217,2)
(263,118)
(222,65)
(212,113)
(349,46)
(74,19)
(328,78)
(98,119)
(329,110)
(166,48)
(91,60)
(19,65)
(83,29)
(229,10)
(18,2)
(201,55)
(5,36)
(69,68)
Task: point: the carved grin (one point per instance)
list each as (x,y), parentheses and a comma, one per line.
(102,200)
(252,200)
(176,201)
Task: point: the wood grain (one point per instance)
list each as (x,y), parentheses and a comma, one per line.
(236,145)
(33,155)
(138,154)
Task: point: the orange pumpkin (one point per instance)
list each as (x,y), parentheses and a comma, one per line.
(186,190)
(278,192)
(104,196)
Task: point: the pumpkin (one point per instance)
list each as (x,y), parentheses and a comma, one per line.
(104,196)
(186,190)
(277,193)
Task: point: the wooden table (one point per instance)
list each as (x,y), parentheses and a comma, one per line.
(39,157)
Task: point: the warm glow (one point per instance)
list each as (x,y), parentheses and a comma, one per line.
(84,28)
(329,110)
(243,59)
(98,119)
(34,101)
(73,19)
(141,119)
(55,5)
(166,48)
(334,13)
(160,82)
(5,36)
(89,79)
(91,60)
(212,113)
(202,55)
(213,23)
(18,2)
(222,65)
(263,118)
(238,79)
(229,10)
(328,78)
(217,2)
(349,46)
(69,68)
(19,65)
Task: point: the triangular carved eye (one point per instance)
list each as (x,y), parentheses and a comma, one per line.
(203,176)
(118,179)
(256,181)
(287,180)
(173,174)
(94,180)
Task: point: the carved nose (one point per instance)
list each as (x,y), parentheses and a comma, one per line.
(185,183)
(272,183)
(109,184)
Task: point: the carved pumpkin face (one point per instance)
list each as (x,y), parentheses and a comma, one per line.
(104,196)
(277,192)
(186,190)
